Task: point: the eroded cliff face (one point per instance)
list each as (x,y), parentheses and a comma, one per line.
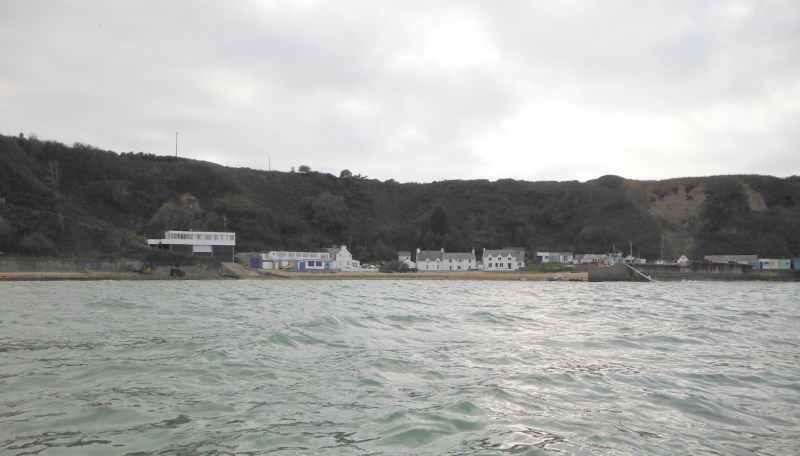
(755,200)
(680,208)
(679,211)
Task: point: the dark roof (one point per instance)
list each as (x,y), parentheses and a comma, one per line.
(459,256)
(519,255)
(431,255)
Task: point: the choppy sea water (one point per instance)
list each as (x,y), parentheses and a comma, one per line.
(379,367)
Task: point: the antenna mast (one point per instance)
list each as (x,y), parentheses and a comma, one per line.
(176,143)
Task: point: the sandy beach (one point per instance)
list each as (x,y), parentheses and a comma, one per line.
(430,275)
(210,274)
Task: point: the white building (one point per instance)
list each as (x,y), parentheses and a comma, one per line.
(405,257)
(215,244)
(439,260)
(508,259)
(343,260)
(277,259)
(554,257)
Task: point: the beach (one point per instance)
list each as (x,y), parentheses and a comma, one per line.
(201,273)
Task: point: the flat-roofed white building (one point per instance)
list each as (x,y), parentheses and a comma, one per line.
(220,245)
(303,261)
(334,258)
(554,257)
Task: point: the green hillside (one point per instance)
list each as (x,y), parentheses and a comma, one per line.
(75,201)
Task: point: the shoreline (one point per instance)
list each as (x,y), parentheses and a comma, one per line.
(296,276)
(201,273)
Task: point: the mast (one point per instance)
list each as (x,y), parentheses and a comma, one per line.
(176,143)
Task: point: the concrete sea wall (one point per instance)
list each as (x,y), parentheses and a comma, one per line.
(44,265)
(665,272)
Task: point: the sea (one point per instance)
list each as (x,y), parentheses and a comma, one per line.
(352,367)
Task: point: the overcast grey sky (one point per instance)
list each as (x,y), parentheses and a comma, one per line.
(415,90)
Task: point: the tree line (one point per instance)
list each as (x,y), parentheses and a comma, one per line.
(81,201)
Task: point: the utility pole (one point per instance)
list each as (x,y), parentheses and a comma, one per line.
(176,143)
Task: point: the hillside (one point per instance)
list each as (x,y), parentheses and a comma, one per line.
(81,201)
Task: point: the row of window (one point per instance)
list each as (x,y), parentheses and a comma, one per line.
(202,237)
(449,260)
(300,254)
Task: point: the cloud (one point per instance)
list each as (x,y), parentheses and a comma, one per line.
(415,91)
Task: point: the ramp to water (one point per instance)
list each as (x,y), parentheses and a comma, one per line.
(649,279)
(237,270)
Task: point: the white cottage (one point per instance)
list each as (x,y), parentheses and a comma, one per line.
(405,258)
(429,260)
(439,260)
(343,260)
(508,259)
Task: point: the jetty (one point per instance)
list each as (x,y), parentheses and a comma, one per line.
(695,270)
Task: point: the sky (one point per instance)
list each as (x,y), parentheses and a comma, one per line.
(415,91)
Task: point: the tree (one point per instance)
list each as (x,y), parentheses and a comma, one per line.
(173,216)
(345,174)
(329,212)
(304,169)
(439,223)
